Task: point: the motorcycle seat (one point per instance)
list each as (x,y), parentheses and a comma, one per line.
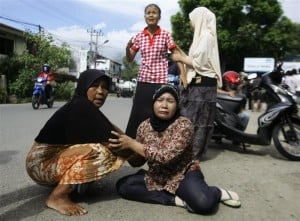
(232,104)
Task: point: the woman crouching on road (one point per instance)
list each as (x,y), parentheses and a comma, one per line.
(71,150)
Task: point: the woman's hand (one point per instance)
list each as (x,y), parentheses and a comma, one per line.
(183,80)
(122,142)
(129,43)
(179,57)
(177,53)
(130,54)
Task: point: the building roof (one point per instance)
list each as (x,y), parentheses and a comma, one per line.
(11,30)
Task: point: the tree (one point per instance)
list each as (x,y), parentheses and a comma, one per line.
(41,49)
(130,69)
(246,28)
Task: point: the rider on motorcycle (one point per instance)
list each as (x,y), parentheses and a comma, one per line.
(231,82)
(47,74)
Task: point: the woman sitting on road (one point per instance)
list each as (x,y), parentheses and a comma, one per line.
(71,150)
(173,177)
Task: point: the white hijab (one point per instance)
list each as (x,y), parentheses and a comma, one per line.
(204,49)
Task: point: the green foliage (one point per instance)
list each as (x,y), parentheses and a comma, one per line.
(3,95)
(10,67)
(130,69)
(245,28)
(22,87)
(43,50)
(64,91)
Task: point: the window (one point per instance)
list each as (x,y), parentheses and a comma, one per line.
(6,46)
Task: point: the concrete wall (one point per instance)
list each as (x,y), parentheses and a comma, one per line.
(15,35)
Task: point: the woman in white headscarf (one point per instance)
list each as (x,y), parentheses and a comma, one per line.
(198,99)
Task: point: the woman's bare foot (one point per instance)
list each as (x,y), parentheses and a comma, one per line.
(59,201)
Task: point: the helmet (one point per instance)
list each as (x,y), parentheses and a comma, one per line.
(231,79)
(46,68)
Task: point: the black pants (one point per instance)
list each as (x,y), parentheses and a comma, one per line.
(48,91)
(142,106)
(200,197)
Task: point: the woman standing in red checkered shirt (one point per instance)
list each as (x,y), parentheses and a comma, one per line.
(153,43)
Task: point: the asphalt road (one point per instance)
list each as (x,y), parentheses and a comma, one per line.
(268,184)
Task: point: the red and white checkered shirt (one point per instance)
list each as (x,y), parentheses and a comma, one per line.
(154,55)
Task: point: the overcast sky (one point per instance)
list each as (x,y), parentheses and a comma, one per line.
(72,20)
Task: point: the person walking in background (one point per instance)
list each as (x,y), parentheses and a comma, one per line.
(173,178)
(256,96)
(246,88)
(153,43)
(71,150)
(198,99)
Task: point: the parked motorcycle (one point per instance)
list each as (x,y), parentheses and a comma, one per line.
(280,121)
(39,93)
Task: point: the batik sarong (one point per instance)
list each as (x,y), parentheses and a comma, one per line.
(65,164)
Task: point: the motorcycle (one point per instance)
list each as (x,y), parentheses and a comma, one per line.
(39,93)
(280,122)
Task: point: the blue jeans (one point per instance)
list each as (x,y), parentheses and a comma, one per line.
(244,119)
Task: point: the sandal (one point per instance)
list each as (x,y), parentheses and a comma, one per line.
(230,201)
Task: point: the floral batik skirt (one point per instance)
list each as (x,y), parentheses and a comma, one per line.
(64,164)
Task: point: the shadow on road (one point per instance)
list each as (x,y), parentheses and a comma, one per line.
(30,201)
(6,156)
(27,202)
(258,150)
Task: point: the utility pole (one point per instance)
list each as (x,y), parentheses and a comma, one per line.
(94,33)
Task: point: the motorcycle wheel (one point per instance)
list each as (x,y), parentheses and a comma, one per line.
(36,101)
(286,142)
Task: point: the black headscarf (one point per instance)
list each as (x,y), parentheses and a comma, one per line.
(157,123)
(87,78)
(78,121)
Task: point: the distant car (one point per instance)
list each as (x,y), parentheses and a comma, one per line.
(126,89)
(124,92)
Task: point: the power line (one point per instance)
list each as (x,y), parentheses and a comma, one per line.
(64,13)
(43,10)
(21,22)
(53,11)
